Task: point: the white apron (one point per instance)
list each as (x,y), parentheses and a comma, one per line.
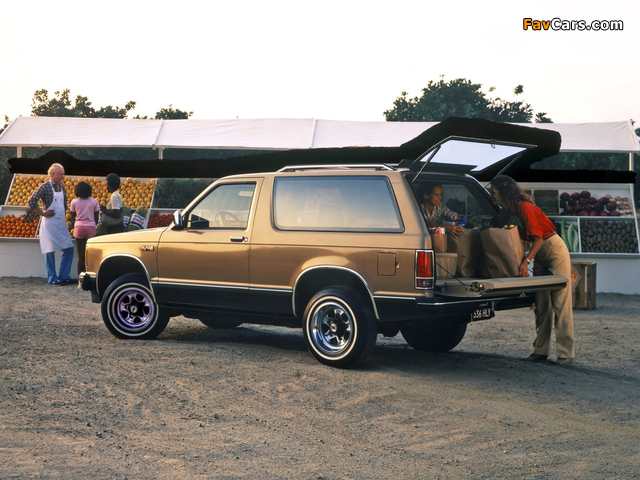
(54,234)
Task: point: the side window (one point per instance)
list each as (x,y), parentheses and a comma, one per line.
(465,199)
(336,204)
(226,206)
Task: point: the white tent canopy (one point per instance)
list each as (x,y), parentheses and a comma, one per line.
(273,134)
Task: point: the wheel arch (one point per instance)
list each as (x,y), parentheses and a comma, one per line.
(114,266)
(314,279)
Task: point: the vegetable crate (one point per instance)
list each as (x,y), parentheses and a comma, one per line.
(547,200)
(584,295)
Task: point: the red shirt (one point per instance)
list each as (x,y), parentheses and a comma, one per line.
(535,222)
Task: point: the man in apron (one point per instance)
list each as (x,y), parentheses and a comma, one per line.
(54,235)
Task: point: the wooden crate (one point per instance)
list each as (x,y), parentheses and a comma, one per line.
(548,201)
(584,293)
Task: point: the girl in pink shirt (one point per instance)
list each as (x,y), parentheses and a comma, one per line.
(85,210)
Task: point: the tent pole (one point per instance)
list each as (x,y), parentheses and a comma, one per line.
(631,161)
(19,151)
(160,150)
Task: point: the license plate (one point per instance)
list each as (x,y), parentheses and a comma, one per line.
(482,313)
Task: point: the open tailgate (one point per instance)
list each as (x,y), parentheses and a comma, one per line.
(490,287)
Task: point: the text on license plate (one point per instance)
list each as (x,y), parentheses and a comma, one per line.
(481,313)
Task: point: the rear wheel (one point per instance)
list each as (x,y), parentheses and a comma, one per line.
(433,339)
(129,309)
(339,327)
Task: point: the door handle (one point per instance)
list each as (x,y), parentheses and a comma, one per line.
(239,239)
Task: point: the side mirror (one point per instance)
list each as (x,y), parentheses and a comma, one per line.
(178,220)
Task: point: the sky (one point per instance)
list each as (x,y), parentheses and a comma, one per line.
(333,60)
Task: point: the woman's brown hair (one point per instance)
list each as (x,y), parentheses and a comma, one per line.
(509,189)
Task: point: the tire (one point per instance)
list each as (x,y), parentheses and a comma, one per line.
(433,339)
(339,328)
(129,309)
(219,324)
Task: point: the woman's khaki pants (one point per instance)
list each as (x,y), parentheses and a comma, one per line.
(554,308)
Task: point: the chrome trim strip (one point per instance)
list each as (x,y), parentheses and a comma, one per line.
(199,284)
(266,289)
(344,166)
(471,300)
(295,285)
(391,297)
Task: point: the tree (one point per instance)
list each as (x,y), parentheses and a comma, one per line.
(460,98)
(61,106)
(171,113)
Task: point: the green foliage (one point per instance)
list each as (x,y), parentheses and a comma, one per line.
(5,176)
(584,161)
(171,113)
(61,106)
(178,192)
(460,98)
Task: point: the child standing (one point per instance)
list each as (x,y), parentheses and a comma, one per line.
(85,210)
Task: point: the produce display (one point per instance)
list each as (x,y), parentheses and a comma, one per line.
(584,204)
(568,231)
(159,220)
(547,200)
(135,193)
(137,219)
(608,236)
(23,226)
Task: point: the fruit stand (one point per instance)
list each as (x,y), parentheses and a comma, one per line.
(19,227)
(598,222)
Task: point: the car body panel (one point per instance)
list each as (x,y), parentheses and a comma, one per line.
(244,261)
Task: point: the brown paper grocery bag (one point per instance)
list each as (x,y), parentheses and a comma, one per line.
(469,250)
(439,242)
(503,252)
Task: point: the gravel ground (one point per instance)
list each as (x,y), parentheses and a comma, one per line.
(75,402)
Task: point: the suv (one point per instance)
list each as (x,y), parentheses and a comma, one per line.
(341,251)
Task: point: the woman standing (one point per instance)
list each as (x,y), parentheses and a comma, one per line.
(551,258)
(84,211)
(114,205)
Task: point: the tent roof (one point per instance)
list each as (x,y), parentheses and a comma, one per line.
(273,134)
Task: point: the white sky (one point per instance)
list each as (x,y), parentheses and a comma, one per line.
(336,60)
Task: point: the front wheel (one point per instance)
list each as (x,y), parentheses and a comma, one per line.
(129,309)
(339,327)
(433,339)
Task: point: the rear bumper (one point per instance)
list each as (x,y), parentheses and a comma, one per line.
(394,309)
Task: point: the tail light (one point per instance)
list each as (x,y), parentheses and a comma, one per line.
(424,269)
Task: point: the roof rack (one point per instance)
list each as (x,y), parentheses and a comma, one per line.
(375,166)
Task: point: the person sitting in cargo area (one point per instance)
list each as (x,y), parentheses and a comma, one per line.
(437,214)
(552,309)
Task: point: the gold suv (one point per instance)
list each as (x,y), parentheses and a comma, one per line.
(342,251)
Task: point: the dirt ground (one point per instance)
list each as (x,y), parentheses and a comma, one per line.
(252,403)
